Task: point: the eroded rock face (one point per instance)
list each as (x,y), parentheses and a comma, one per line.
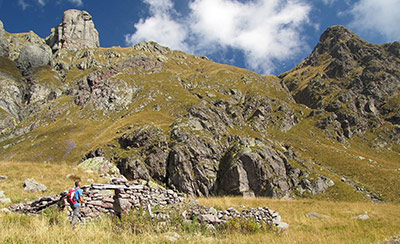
(264,172)
(4,49)
(200,166)
(104,91)
(32,55)
(356,84)
(76,31)
(11,97)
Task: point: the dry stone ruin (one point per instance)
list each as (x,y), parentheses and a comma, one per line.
(120,196)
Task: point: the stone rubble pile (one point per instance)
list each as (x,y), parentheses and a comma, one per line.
(36,206)
(120,196)
(261,215)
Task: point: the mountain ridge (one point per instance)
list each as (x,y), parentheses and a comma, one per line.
(205,128)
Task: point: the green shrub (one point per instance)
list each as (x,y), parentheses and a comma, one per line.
(243,226)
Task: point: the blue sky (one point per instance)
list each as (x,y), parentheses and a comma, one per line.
(266,36)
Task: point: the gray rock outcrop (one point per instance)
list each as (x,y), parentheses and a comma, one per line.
(33,186)
(76,31)
(4,49)
(151,47)
(197,166)
(33,55)
(3,198)
(11,95)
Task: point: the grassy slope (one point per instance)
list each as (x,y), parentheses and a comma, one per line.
(53,176)
(75,130)
(375,169)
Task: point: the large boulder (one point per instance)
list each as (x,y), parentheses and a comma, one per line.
(28,51)
(4,49)
(33,186)
(32,56)
(76,31)
(265,172)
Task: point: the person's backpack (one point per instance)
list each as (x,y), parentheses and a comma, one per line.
(71,196)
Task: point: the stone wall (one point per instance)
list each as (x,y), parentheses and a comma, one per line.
(117,197)
(120,196)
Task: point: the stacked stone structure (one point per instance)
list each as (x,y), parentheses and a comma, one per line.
(120,196)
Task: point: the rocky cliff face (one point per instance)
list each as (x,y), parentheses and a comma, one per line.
(3,42)
(76,31)
(355,82)
(196,126)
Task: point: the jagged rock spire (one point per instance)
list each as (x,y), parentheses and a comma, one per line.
(75,32)
(4,49)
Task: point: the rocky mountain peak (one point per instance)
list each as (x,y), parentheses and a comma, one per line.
(337,33)
(76,31)
(151,47)
(355,81)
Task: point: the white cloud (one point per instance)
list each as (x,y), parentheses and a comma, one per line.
(264,30)
(371,17)
(160,27)
(41,2)
(76,2)
(328,2)
(23,4)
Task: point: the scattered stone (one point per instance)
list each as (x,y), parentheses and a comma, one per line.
(316,215)
(2,194)
(3,177)
(393,240)
(70,176)
(5,210)
(364,216)
(282,226)
(5,200)
(172,237)
(193,202)
(211,228)
(33,186)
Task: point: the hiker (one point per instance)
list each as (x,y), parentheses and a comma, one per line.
(76,201)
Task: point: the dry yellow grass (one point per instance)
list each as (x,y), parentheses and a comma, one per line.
(53,176)
(53,227)
(339,227)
